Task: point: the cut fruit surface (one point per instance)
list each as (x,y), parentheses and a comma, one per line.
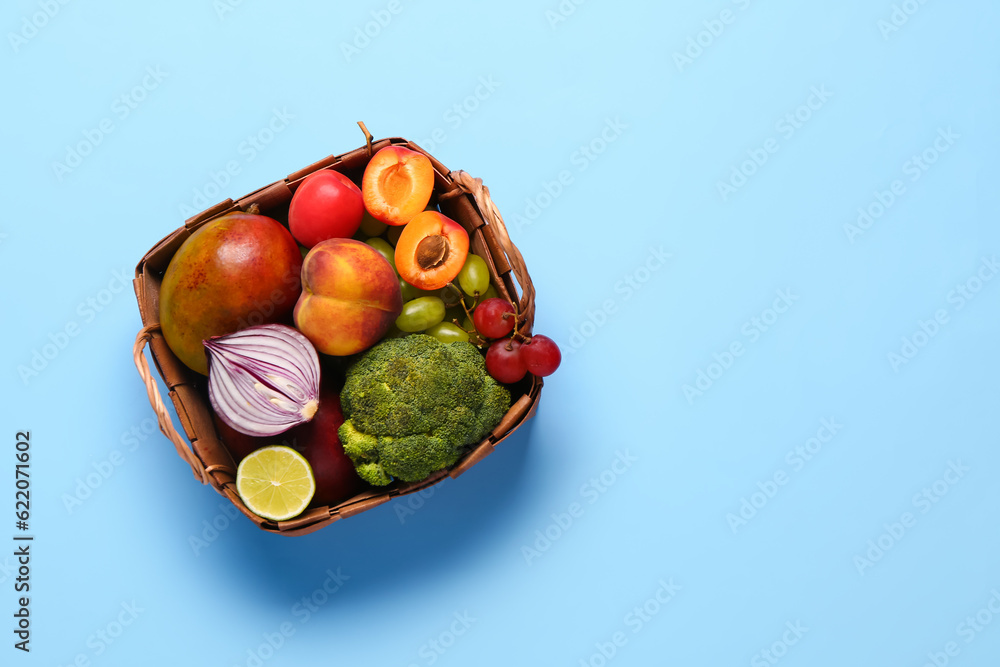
(275,482)
(397,184)
(431,250)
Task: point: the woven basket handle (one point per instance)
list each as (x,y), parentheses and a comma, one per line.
(481,194)
(162,416)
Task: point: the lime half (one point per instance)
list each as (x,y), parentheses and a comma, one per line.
(275,482)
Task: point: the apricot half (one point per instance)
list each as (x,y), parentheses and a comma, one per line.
(397,184)
(431,250)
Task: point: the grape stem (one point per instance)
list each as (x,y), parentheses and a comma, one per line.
(474,336)
(461,299)
(479,341)
(515,334)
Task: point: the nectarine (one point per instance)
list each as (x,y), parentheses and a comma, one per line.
(350,297)
(326,205)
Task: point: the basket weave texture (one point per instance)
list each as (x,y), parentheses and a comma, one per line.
(459,196)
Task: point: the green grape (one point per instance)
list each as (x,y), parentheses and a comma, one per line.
(449,295)
(410,292)
(394,332)
(420,314)
(446,332)
(474,276)
(454,313)
(385,249)
(370,226)
(393,233)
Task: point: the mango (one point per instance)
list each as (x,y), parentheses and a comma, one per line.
(237,271)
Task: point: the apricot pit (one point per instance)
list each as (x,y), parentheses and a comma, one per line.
(431,250)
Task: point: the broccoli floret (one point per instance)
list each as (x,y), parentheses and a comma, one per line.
(413,404)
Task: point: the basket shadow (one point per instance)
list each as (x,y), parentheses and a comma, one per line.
(408,542)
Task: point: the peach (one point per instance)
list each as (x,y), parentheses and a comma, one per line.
(397,184)
(431,250)
(350,297)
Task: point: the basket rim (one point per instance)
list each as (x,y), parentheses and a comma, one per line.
(462,194)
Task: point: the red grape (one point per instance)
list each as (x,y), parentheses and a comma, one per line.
(503,361)
(494,318)
(541,355)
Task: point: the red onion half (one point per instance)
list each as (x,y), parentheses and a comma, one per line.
(263,380)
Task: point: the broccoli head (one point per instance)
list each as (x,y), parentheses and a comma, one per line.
(413,404)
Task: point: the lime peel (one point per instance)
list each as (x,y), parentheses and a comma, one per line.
(275,482)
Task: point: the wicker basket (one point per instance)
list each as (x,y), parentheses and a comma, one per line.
(459,196)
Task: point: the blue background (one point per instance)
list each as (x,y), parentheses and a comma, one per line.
(608,135)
